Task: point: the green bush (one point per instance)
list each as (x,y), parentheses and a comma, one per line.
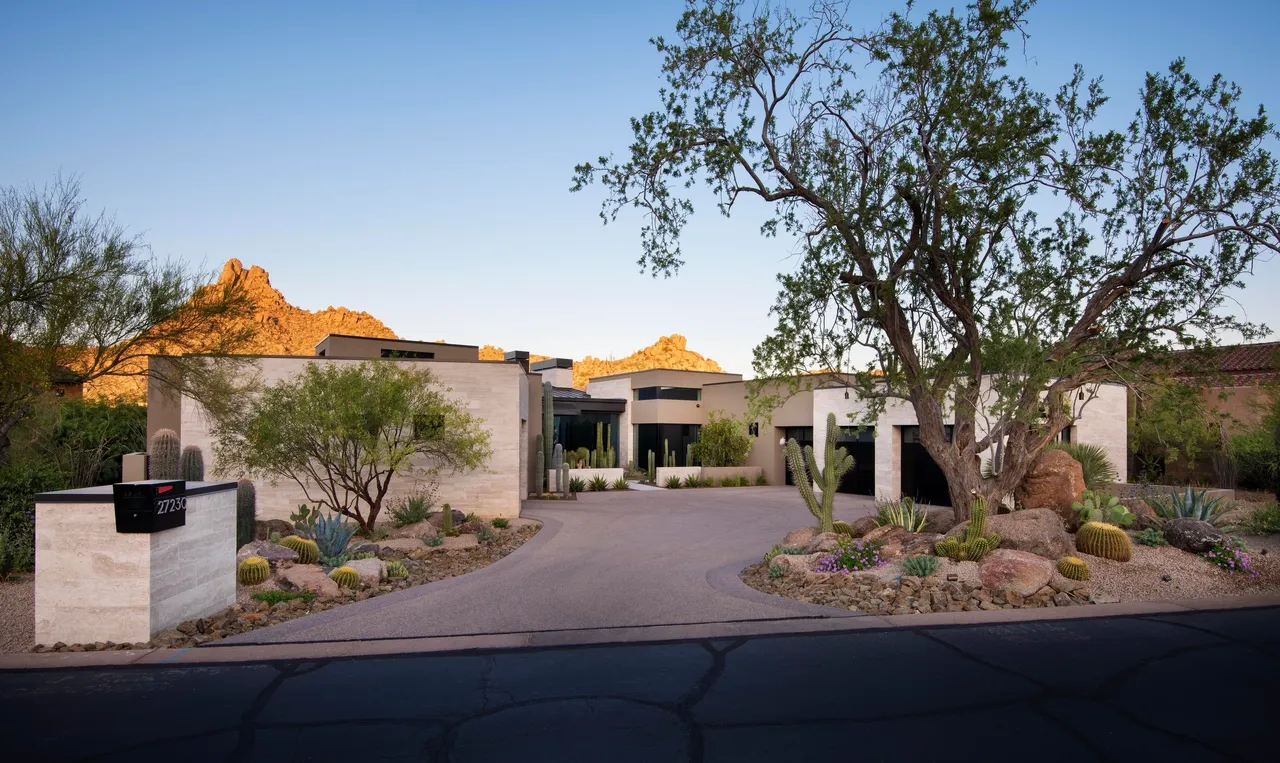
(432,540)
(1264,520)
(275,597)
(500,523)
(85,440)
(1255,455)
(761,481)
(692,480)
(485,535)
(723,441)
(412,509)
(621,484)
(922,566)
(1150,536)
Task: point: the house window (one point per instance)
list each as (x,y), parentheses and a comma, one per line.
(753,429)
(390,353)
(668,393)
(1064,435)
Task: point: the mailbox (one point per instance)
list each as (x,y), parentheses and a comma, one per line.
(150,506)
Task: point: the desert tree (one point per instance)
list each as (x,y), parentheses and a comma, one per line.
(343,432)
(81,299)
(964,243)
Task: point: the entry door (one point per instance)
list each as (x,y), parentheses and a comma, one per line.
(922,478)
(861,479)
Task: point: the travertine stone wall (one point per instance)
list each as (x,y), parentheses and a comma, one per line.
(492,391)
(94,584)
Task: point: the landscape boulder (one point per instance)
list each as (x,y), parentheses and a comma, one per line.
(372,571)
(1194,535)
(263,528)
(797,562)
(308,577)
(799,538)
(822,542)
(1054,481)
(402,545)
(363,547)
(896,541)
(939,520)
(437,519)
(863,525)
(1035,531)
(1143,515)
(267,550)
(1018,571)
(415,530)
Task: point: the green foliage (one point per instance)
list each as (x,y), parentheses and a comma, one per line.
(1104,540)
(744,481)
(345,577)
(253,571)
(332,533)
(446,520)
(901,513)
(976,543)
(191,464)
(1099,507)
(1099,472)
(707,482)
(760,480)
(921,565)
(728,482)
(621,484)
(84,440)
(357,426)
(500,523)
(1196,505)
(1150,536)
(19,482)
(306,549)
(304,520)
(842,528)
(396,570)
(274,537)
(723,441)
(836,461)
(1264,520)
(851,556)
(598,484)
(777,571)
(673,482)
(1170,423)
(485,535)
(412,509)
(1073,567)
(246,512)
(433,540)
(1256,459)
(911,159)
(273,598)
(163,455)
(778,550)
(577,485)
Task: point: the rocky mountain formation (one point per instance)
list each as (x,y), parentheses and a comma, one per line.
(283,329)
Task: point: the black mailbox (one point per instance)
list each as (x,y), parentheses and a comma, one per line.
(150,506)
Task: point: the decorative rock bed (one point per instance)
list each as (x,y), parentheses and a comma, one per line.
(456,556)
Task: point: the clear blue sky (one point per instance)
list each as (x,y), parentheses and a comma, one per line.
(413,159)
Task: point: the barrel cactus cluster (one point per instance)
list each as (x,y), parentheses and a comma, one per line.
(1105,540)
(307,550)
(976,542)
(1073,567)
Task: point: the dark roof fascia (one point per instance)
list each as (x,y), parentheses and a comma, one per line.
(387,339)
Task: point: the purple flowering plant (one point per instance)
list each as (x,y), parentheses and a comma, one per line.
(851,556)
(1230,555)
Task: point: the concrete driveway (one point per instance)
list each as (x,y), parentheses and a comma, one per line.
(605,560)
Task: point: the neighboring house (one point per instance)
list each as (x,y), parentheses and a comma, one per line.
(1232,378)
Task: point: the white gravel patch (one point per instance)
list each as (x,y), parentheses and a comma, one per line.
(1190,576)
(17,614)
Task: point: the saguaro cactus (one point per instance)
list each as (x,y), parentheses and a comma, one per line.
(548,420)
(164,453)
(804,466)
(191,464)
(652,472)
(539,479)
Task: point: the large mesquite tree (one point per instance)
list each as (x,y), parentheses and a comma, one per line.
(967,244)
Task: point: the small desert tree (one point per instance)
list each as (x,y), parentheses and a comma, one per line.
(344,431)
(723,441)
(968,244)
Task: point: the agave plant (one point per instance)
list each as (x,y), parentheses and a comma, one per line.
(904,514)
(577,485)
(621,484)
(673,482)
(692,480)
(332,533)
(1189,504)
(598,484)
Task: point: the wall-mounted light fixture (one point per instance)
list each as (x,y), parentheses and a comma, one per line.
(782,441)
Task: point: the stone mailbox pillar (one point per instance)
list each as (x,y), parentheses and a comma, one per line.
(93,583)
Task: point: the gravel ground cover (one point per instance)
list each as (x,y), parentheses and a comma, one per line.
(17,613)
(248,614)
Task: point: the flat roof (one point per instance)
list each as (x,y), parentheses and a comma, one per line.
(542,365)
(675,370)
(388,339)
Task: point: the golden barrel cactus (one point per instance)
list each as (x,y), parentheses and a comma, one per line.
(346,577)
(1104,540)
(1073,567)
(253,571)
(307,550)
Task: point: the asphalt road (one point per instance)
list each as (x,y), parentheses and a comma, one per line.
(606,560)
(1187,686)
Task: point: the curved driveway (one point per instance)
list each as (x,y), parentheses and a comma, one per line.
(606,560)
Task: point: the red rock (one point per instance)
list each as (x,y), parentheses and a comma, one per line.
(1017,571)
(1054,481)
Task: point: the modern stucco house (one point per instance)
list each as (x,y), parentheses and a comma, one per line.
(641,410)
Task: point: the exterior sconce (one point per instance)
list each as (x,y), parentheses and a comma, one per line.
(846,394)
(782,441)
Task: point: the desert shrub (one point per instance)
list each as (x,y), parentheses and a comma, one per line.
(1264,520)
(1150,536)
(621,484)
(692,480)
(777,571)
(761,481)
(673,482)
(708,482)
(1099,472)
(922,565)
(598,484)
(432,540)
(729,482)
(275,597)
(851,556)
(485,535)
(1231,555)
(412,509)
(577,485)
(744,481)
(723,441)
(500,523)
(1255,455)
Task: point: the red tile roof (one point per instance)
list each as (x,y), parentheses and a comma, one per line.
(1246,364)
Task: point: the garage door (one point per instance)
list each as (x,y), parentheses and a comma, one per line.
(861,479)
(803,436)
(922,478)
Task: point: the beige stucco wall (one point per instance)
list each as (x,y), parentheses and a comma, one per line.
(490,390)
(94,584)
(163,409)
(336,346)
(766,454)
(1100,420)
